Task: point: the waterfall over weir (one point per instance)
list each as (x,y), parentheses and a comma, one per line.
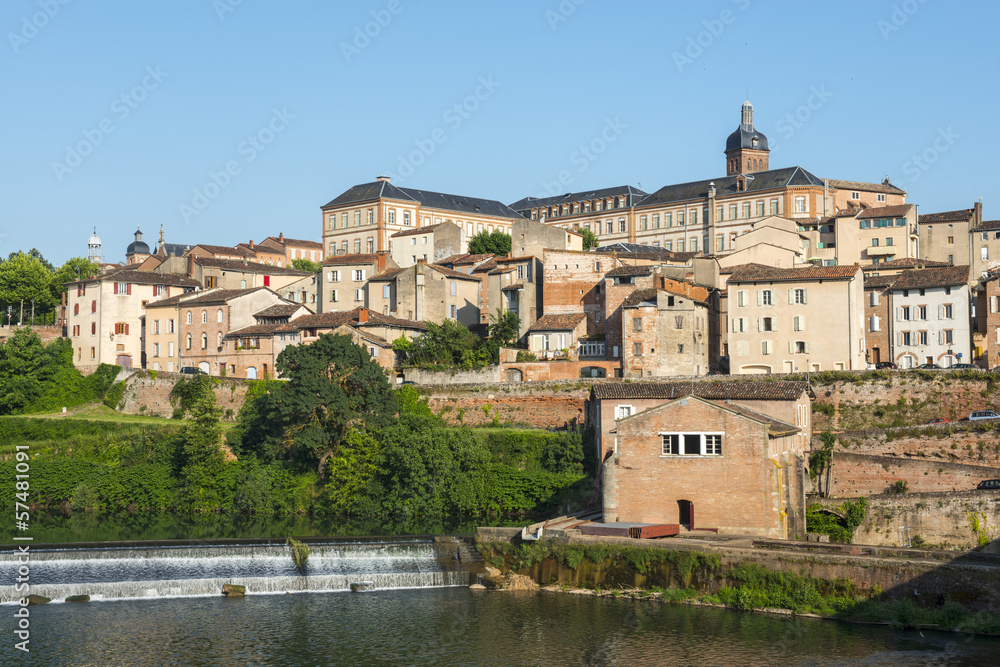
(183,571)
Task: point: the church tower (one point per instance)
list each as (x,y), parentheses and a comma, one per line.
(746,148)
(94,248)
(137,251)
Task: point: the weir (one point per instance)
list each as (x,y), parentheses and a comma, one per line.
(116,573)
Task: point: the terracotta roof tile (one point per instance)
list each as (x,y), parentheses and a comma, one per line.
(127,275)
(351,317)
(340,260)
(987,225)
(903,263)
(940,277)
(879,282)
(279,310)
(452,273)
(760,273)
(960,215)
(639,296)
(886,212)
(554,322)
(886,187)
(385,276)
(248,267)
(736,390)
(420,230)
(264,330)
(630,271)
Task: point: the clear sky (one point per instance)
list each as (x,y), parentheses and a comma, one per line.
(231,120)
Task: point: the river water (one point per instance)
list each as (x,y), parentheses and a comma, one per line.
(162,606)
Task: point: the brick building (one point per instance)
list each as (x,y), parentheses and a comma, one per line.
(707,464)
(664,334)
(293,249)
(878,318)
(426,293)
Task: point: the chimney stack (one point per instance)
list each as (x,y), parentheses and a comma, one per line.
(190,265)
(281,237)
(251,244)
(977,212)
(362,315)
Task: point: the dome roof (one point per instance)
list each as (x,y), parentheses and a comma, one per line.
(137,248)
(746,137)
(94,240)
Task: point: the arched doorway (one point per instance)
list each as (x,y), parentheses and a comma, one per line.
(251,373)
(514,375)
(205,367)
(685,510)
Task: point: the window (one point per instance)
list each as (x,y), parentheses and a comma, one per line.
(951,240)
(189,317)
(406,218)
(855,195)
(904,313)
(904,338)
(680,218)
(874,323)
(359,275)
(765,298)
(392,216)
(637,349)
(760,209)
(746,210)
(156,326)
(121,328)
(874,243)
(187,342)
(921,312)
(621,225)
(798,323)
(691,444)
(881,198)
(774,207)
(766,324)
(76,309)
(371,216)
(949,337)
(947,311)
(798,296)
(123,288)
(732,211)
(694,245)
(800,204)
(984,253)
(656,221)
(371,245)
(170,349)
(333,296)
(204,317)
(741,298)
(767,347)
(921,338)
(93,328)
(678,321)
(873,298)
(359,295)
(798,347)
(218,316)
(204,341)
(636,324)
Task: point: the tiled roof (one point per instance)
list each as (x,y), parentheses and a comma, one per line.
(884,186)
(763,181)
(420,230)
(205,297)
(558,322)
(640,296)
(515,286)
(173,249)
(248,267)
(279,310)
(333,320)
(386,276)
(880,282)
(464,259)
(987,225)
(962,215)
(630,271)
(343,260)
(903,263)
(260,248)
(886,212)
(127,275)
(486,267)
(775,427)
(452,273)
(745,390)
(758,273)
(264,330)
(438,200)
(226,250)
(301,243)
(632,196)
(940,277)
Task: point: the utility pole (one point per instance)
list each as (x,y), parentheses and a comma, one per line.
(20,318)
(32,312)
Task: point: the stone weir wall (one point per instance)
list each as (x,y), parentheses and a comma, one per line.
(927,577)
(941,520)
(150,396)
(540,405)
(854,475)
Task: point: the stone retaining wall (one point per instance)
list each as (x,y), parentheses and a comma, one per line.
(854,475)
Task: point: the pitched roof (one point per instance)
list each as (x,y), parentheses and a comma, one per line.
(342,260)
(938,277)
(961,215)
(465,259)
(737,390)
(302,243)
(903,263)
(775,179)
(421,230)
(351,317)
(884,186)
(639,297)
(247,267)
(263,330)
(452,273)
(280,310)
(173,249)
(775,427)
(206,297)
(128,275)
(880,282)
(554,322)
(630,271)
(438,200)
(385,276)
(632,196)
(226,250)
(885,212)
(750,273)
(986,225)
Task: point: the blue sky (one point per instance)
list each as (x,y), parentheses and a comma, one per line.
(230,120)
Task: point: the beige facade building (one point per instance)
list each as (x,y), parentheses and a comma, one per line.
(230,274)
(343,283)
(426,293)
(428,244)
(780,322)
(515,285)
(293,249)
(105,315)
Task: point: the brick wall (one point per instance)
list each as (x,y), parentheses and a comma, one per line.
(863,475)
(542,371)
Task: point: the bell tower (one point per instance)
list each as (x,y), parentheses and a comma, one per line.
(746,148)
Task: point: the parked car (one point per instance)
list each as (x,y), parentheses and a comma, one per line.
(929,367)
(989,484)
(963,367)
(192,370)
(886,365)
(983,414)
(937,420)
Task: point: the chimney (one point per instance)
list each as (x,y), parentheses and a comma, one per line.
(382,178)
(977,214)
(362,315)
(251,244)
(281,237)
(190,265)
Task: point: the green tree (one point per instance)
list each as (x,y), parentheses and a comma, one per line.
(333,387)
(590,239)
(303,264)
(26,366)
(36,254)
(26,279)
(445,344)
(75,268)
(496,243)
(504,327)
(200,457)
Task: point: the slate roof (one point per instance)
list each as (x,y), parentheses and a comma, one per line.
(263,330)
(421,230)
(351,317)
(750,273)
(248,267)
(127,275)
(173,249)
(884,186)
(940,277)
(903,263)
(566,322)
(745,390)
(962,215)
(457,203)
(744,137)
(279,310)
(761,181)
(632,196)
(899,211)
(340,260)
(630,271)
